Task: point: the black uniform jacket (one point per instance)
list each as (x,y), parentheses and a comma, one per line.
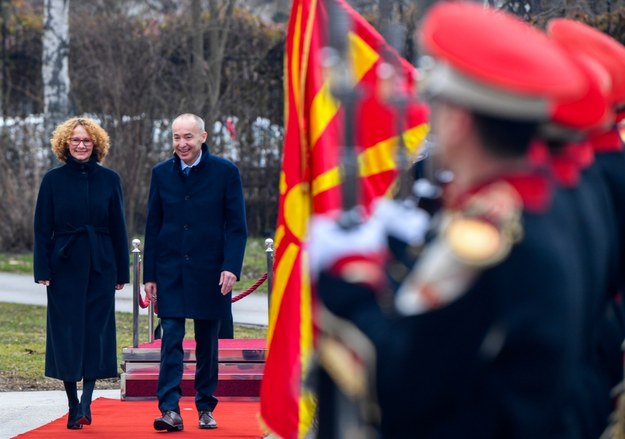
(499,361)
(586,213)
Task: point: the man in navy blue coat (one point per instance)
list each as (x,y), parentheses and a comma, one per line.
(194,245)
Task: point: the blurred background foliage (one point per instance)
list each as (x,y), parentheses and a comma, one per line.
(136,64)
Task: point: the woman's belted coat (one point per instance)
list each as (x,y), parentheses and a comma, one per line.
(81,247)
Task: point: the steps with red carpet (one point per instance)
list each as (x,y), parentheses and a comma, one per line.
(241,365)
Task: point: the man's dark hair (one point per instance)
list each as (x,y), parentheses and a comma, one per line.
(504,137)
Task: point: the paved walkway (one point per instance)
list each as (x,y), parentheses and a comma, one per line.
(20,288)
(24,411)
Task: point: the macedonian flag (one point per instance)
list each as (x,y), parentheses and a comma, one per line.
(310,184)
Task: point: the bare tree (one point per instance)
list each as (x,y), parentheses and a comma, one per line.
(54,66)
(21,169)
(136,74)
(197,64)
(4,15)
(132,68)
(220,13)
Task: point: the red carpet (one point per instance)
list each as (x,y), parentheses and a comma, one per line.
(113,418)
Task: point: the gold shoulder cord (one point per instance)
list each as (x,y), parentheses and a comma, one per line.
(484,231)
(479,235)
(616,427)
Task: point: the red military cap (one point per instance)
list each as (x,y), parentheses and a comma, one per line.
(495,63)
(590,111)
(582,38)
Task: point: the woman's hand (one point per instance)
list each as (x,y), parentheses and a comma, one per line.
(119,286)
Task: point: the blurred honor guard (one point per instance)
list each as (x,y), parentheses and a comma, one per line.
(604,324)
(584,40)
(587,215)
(481,341)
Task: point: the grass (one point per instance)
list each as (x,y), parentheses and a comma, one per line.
(16,263)
(254,265)
(23,342)
(23,327)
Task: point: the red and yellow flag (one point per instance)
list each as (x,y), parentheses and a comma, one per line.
(310,184)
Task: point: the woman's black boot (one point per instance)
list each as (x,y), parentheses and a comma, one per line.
(72,418)
(84,417)
(72,398)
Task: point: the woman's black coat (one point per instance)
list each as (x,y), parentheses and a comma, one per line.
(81,247)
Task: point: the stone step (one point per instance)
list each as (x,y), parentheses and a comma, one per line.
(225,369)
(237,381)
(241,366)
(230,350)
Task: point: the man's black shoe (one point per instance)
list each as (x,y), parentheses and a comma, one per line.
(170,421)
(207,420)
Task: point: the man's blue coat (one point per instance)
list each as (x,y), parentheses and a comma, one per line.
(196,228)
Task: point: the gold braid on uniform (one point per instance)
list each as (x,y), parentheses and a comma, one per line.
(616,427)
(478,235)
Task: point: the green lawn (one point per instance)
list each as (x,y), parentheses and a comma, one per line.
(16,263)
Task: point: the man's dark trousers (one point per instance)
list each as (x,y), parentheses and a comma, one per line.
(172,356)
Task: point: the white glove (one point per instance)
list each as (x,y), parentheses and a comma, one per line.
(402,220)
(328,242)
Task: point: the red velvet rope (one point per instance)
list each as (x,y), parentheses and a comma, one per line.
(144,302)
(251,289)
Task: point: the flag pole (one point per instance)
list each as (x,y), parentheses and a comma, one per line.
(344,90)
(342,411)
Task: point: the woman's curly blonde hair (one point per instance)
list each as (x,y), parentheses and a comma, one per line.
(63,132)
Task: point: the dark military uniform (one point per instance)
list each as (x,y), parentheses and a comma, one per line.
(586,216)
(610,157)
(494,363)
(483,339)
(611,165)
(608,331)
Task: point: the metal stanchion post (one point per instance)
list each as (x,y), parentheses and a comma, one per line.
(136,273)
(150,322)
(150,305)
(269,253)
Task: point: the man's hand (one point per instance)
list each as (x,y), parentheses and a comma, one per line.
(150,291)
(44,282)
(226,281)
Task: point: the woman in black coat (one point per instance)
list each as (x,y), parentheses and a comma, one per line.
(81,256)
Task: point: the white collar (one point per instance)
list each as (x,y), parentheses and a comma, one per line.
(184,165)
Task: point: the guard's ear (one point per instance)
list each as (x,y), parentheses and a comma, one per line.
(458,120)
